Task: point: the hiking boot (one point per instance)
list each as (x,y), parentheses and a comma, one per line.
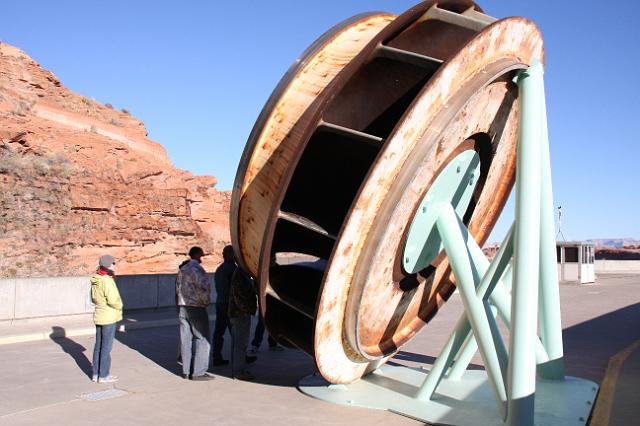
(203,378)
(108,379)
(253,351)
(94,378)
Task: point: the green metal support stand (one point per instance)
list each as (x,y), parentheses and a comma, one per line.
(523,384)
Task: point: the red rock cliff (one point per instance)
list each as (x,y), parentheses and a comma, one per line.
(80,179)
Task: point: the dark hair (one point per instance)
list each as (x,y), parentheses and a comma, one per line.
(196,251)
(227,253)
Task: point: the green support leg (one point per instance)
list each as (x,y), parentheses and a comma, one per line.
(462,334)
(550,321)
(521,382)
(453,239)
(499,298)
(491,275)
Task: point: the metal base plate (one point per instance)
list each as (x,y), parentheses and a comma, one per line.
(468,401)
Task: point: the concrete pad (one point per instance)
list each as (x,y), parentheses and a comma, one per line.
(628,383)
(50,391)
(42,382)
(33,329)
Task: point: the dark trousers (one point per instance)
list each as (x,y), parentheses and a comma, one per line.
(102,350)
(258,335)
(240,329)
(194,331)
(222,324)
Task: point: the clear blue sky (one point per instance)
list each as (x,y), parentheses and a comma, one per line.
(198,73)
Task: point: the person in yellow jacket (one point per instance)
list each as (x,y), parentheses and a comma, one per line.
(105,295)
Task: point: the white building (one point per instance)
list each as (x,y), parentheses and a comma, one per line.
(576,261)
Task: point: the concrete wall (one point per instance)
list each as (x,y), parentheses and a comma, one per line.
(151,291)
(41,297)
(7,298)
(617,266)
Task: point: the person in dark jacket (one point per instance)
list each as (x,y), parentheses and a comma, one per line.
(223,276)
(243,302)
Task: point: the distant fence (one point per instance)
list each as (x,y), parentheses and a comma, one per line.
(22,298)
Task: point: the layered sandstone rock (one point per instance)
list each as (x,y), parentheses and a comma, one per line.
(80,179)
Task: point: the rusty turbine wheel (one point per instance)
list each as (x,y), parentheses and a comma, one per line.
(341,157)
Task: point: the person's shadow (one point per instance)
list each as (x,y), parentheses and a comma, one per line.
(76,350)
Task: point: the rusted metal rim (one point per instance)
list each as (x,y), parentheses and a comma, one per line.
(342,160)
(323,47)
(360,299)
(327,110)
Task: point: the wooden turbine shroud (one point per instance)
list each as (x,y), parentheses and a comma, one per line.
(341,156)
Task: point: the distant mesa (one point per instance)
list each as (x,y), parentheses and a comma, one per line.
(616,248)
(615,242)
(606,249)
(80,179)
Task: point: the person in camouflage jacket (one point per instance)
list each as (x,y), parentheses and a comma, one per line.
(192,285)
(193,297)
(243,298)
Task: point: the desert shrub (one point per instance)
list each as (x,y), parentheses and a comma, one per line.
(40,165)
(30,166)
(21,108)
(61,167)
(11,164)
(125,111)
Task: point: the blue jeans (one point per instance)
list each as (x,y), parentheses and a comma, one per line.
(194,330)
(102,350)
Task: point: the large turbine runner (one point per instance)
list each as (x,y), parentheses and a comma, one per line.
(374,174)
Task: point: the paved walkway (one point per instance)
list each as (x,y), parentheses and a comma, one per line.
(29,330)
(47,381)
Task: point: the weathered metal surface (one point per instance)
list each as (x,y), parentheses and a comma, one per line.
(340,174)
(273,142)
(367,251)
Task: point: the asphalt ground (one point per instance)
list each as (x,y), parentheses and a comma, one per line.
(48,381)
